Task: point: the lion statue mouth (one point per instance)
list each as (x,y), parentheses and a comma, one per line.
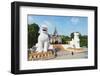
(44,30)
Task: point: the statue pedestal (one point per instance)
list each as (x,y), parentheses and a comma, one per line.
(40,55)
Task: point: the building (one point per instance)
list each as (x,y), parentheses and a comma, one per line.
(55,38)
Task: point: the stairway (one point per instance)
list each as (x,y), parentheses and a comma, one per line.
(58,46)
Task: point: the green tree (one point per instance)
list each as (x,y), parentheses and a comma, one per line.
(65,39)
(72,35)
(84,41)
(32,34)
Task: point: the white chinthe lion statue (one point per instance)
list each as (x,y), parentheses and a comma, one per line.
(43,39)
(75,43)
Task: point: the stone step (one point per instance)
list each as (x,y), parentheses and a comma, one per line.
(41,55)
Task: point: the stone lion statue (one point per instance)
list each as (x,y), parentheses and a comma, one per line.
(43,39)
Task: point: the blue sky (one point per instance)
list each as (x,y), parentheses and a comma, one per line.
(65,25)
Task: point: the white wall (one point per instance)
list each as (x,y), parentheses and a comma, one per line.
(5,27)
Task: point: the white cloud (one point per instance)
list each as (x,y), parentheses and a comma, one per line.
(74,20)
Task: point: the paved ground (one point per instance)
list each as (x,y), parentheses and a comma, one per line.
(69,55)
(74,56)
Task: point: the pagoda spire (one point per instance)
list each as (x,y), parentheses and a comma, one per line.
(55,32)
